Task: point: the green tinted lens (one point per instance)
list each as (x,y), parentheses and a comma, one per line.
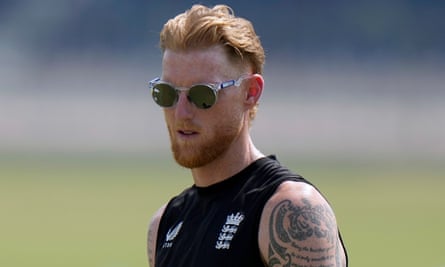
(202,96)
(164,95)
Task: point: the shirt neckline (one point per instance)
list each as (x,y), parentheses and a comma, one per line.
(224,185)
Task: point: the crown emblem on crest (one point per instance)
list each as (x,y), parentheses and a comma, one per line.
(235,219)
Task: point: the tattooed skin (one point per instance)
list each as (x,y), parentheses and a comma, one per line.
(294,229)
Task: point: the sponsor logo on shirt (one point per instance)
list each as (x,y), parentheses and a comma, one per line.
(171,235)
(229,230)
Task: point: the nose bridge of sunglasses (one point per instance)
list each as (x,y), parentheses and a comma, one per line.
(182,93)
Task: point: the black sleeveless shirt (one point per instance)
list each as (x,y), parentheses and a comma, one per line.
(218,225)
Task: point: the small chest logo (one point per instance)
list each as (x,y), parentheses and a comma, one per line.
(229,230)
(171,235)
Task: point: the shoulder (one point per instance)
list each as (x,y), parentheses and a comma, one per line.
(152,234)
(298,227)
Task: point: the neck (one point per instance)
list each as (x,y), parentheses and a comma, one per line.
(240,155)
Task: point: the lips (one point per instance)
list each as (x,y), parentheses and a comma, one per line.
(187,132)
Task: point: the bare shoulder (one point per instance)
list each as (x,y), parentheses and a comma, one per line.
(299,228)
(153,234)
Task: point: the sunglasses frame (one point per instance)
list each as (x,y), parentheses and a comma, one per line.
(214,87)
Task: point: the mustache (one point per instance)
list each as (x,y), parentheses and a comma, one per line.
(186,125)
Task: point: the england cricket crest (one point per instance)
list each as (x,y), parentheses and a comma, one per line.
(229,230)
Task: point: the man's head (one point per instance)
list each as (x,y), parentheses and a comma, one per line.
(209,46)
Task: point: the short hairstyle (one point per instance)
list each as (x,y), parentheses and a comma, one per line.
(203,27)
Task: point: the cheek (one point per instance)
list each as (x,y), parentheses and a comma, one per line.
(230,100)
(168,116)
(227,118)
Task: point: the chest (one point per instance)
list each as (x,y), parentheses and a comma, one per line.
(209,233)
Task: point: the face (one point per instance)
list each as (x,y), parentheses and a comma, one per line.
(199,136)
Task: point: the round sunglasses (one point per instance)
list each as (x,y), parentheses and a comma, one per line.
(202,96)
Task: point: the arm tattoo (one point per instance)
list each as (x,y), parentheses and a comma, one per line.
(290,225)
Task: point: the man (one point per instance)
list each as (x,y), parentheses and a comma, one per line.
(244,208)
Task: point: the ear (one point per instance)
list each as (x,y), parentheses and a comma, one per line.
(254,90)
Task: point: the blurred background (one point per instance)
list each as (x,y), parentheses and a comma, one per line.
(354,101)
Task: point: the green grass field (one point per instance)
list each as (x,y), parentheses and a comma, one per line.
(93,211)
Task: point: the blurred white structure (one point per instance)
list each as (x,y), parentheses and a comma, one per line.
(309,110)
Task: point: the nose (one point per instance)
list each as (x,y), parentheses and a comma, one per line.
(183,108)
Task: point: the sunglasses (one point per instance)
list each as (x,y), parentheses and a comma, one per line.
(202,96)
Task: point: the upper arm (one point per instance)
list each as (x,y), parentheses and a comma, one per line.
(152,235)
(298,228)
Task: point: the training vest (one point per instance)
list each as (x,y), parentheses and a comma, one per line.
(218,225)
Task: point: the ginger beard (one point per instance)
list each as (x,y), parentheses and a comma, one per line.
(210,144)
